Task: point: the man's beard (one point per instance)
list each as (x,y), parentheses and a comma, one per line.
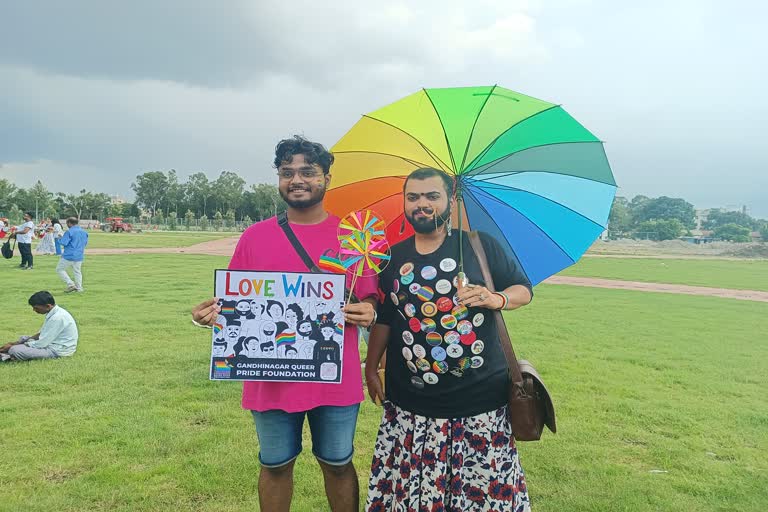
(316,196)
(428,224)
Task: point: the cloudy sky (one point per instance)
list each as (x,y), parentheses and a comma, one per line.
(93,93)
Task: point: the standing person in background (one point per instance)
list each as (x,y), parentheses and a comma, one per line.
(58,232)
(24,234)
(74,242)
(47,246)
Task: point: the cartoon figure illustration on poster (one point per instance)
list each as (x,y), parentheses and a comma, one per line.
(252,325)
(274,326)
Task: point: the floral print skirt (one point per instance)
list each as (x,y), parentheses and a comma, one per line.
(445,465)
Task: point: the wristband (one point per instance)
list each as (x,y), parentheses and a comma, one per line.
(504,300)
(201,325)
(373,322)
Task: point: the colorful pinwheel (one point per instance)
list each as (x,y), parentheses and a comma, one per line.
(364,250)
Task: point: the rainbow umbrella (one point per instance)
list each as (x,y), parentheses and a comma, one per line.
(527,172)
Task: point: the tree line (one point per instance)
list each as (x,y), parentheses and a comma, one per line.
(162,198)
(667,218)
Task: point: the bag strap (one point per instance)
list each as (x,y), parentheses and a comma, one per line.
(504,339)
(282,221)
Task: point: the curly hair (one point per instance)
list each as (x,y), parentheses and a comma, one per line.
(314,152)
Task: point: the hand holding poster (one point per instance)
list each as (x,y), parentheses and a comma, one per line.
(278,326)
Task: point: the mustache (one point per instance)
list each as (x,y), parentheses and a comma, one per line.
(425,211)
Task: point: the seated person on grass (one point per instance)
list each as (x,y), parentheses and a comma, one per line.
(57,337)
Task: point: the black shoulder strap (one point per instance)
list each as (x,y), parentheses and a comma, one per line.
(282,221)
(504,339)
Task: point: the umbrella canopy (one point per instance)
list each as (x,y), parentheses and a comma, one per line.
(527,172)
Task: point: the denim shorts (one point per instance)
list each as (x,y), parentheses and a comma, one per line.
(332,428)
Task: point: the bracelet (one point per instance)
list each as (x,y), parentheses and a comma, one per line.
(504,300)
(373,322)
(201,325)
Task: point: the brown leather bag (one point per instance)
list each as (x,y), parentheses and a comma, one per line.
(529,405)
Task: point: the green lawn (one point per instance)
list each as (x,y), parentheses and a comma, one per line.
(642,382)
(151,239)
(737,274)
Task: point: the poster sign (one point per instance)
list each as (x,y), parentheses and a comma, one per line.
(278,326)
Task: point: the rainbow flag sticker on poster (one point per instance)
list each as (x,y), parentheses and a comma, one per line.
(278,326)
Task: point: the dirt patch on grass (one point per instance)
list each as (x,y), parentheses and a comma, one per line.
(660,288)
(226,246)
(218,247)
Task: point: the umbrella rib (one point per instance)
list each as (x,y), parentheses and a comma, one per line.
(474,125)
(436,158)
(496,200)
(490,145)
(380,153)
(509,244)
(496,162)
(505,187)
(504,174)
(445,135)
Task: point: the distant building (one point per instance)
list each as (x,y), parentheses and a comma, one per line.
(702,214)
(117,200)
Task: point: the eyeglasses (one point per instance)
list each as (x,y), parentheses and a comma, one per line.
(304,174)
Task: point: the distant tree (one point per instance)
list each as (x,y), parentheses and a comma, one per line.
(172,221)
(620,219)
(97,205)
(733,233)
(228,189)
(151,189)
(247,221)
(665,229)
(229,218)
(15,215)
(116,210)
(720,218)
(199,190)
(204,223)
(263,201)
(638,201)
(7,192)
(36,199)
(764,231)
(189,218)
(75,204)
(158,217)
(218,219)
(665,208)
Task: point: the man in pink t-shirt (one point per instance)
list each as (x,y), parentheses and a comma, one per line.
(279,408)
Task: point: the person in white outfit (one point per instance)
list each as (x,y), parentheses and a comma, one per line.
(57,338)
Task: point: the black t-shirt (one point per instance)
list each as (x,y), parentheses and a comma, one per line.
(444,360)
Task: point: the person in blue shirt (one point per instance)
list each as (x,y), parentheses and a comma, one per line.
(73,242)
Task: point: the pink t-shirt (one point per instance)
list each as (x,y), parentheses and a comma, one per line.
(264,246)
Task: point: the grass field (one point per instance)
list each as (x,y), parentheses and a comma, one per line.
(738,274)
(151,239)
(642,382)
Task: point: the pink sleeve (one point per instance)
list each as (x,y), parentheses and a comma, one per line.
(366,287)
(238,257)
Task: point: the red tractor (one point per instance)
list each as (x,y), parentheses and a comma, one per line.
(116,225)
